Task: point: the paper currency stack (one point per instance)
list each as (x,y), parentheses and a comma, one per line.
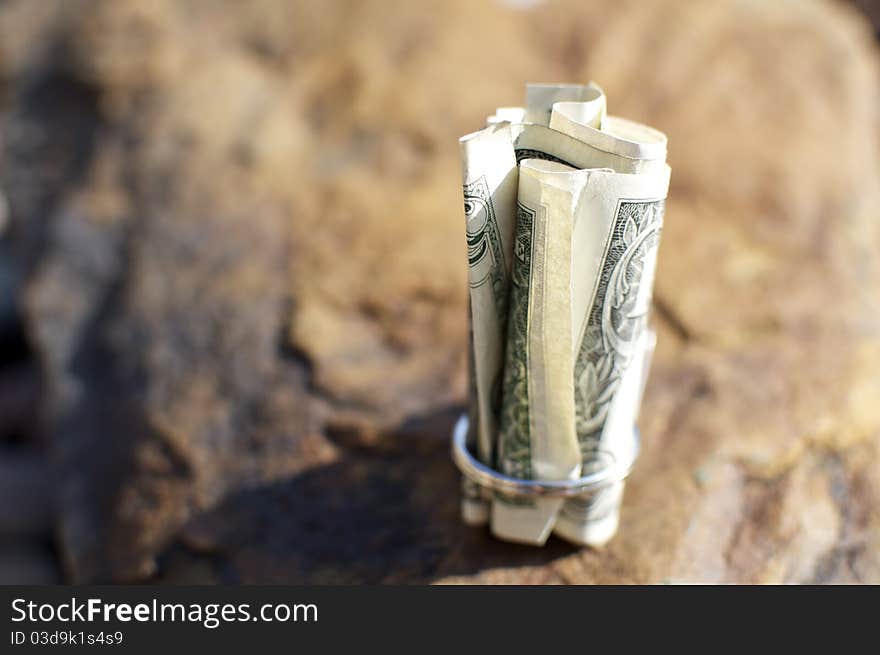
(564,206)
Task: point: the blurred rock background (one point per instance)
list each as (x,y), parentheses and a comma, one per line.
(232,308)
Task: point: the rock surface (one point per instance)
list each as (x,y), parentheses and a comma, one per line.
(237,231)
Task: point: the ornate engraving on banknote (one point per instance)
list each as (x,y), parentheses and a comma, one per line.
(484,249)
(515,456)
(473,406)
(486,261)
(617,318)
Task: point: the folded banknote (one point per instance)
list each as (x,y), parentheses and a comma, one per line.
(564,207)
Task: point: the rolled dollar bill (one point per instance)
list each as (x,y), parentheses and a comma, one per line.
(489,173)
(564,211)
(537,437)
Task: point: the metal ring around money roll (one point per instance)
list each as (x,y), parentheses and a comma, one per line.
(487,477)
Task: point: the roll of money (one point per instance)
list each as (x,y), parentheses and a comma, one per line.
(564,208)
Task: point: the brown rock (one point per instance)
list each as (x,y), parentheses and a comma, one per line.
(245,279)
(25,483)
(27,563)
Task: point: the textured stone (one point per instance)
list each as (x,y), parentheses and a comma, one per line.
(25,483)
(27,563)
(239,232)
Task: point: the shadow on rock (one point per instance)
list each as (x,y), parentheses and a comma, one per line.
(383,514)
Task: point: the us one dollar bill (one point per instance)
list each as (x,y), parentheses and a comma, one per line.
(564,207)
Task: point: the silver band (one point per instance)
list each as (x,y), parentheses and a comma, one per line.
(489,478)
